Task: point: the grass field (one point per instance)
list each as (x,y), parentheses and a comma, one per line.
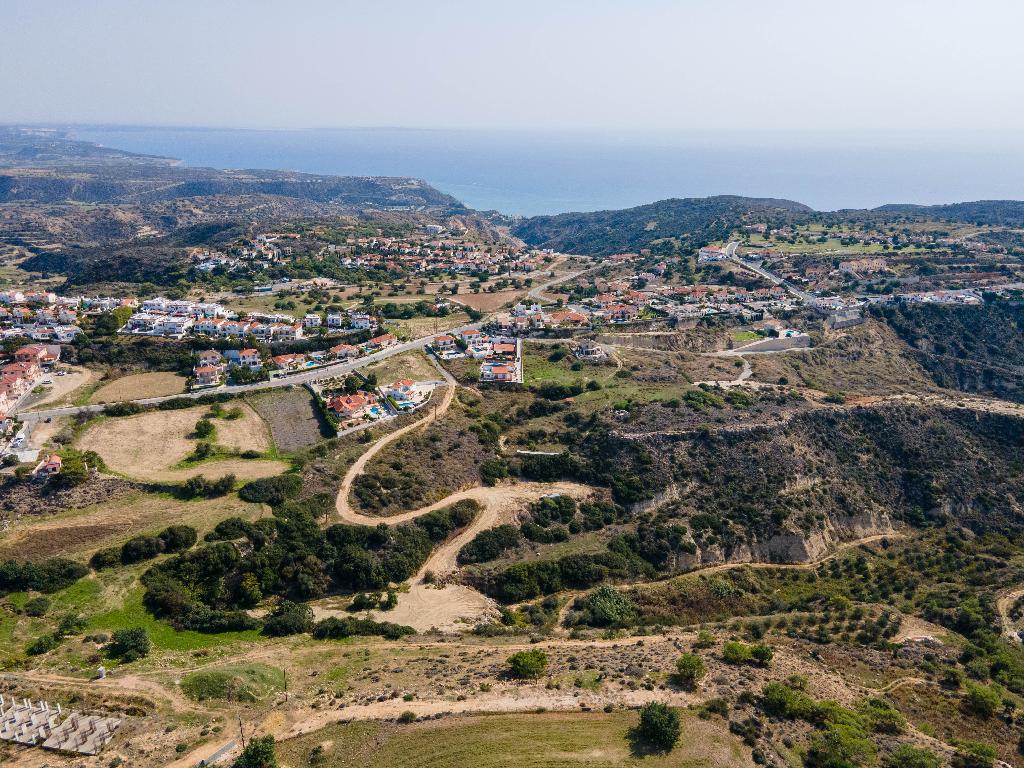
(549,740)
(139,385)
(150,445)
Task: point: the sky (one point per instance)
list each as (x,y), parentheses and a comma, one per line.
(908,67)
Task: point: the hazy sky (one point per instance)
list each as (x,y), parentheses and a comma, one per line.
(648,65)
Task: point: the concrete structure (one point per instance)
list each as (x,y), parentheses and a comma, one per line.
(35,723)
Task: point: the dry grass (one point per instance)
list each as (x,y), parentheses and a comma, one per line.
(139,385)
(555,740)
(292,417)
(489,302)
(148,446)
(410,365)
(83,531)
(422,326)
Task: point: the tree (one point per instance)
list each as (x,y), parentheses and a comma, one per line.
(527,665)
(258,753)
(129,644)
(658,726)
(690,668)
(204,428)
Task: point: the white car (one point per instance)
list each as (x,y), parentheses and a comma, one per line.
(47,381)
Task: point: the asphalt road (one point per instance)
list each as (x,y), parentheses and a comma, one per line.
(327,371)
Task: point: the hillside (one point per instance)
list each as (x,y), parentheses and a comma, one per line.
(974,349)
(48,167)
(690,220)
(994,212)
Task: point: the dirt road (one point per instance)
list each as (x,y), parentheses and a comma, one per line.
(344,508)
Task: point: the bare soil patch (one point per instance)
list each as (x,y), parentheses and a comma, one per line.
(148,446)
(139,385)
(292,417)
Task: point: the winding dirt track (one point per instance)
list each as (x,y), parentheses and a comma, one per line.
(344,508)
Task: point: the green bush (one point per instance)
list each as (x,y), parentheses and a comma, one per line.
(271,490)
(41,645)
(258,753)
(690,668)
(734,652)
(129,644)
(658,727)
(981,701)
(36,606)
(490,544)
(907,756)
(608,607)
(105,558)
(527,665)
(178,538)
(288,618)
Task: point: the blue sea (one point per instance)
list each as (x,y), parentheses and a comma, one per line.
(530,173)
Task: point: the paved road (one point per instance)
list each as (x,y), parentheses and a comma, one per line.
(536,291)
(327,371)
(772,277)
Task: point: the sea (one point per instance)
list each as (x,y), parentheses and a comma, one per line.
(530,173)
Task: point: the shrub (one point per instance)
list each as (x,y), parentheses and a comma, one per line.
(141,548)
(907,756)
(41,645)
(690,668)
(490,544)
(608,607)
(973,754)
(735,653)
(204,428)
(122,409)
(37,606)
(129,644)
(762,654)
(493,470)
(658,727)
(839,745)
(178,538)
(271,490)
(527,665)
(288,618)
(981,701)
(407,717)
(47,576)
(105,558)
(338,629)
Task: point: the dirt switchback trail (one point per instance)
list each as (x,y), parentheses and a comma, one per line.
(454,606)
(344,510)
